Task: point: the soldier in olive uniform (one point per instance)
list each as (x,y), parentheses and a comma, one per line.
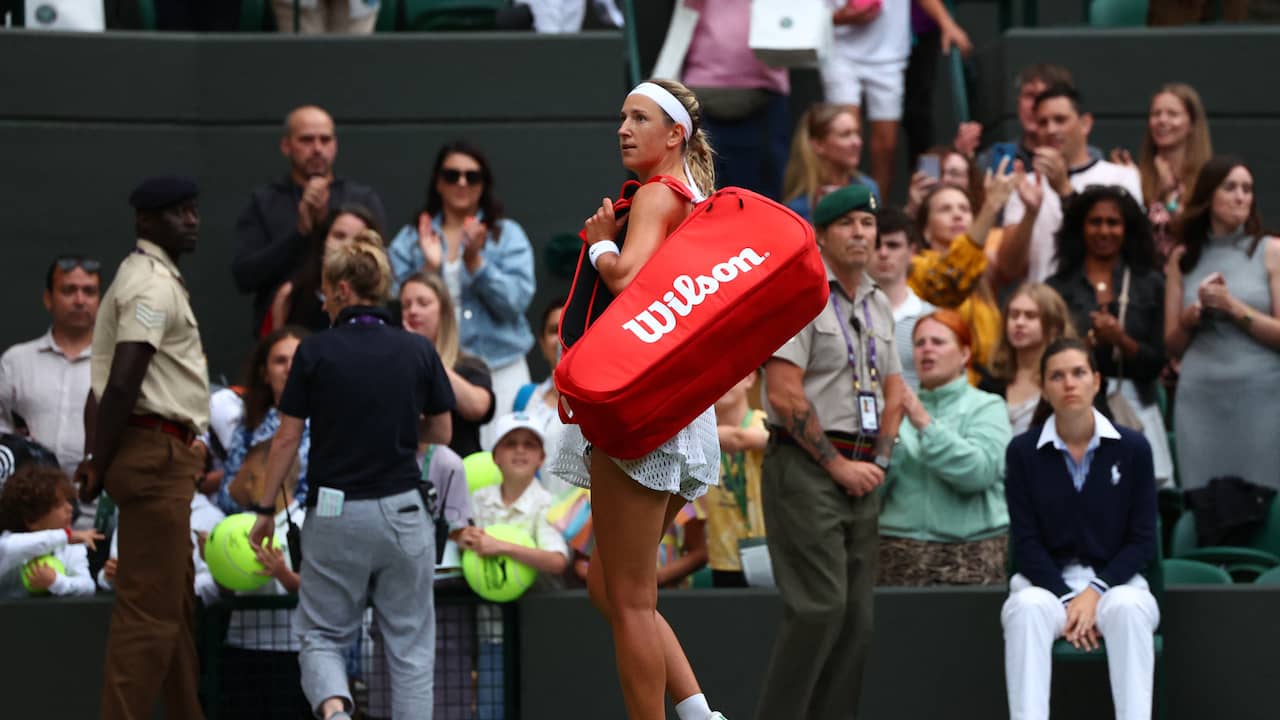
(833,396)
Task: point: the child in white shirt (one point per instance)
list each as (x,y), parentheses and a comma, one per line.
(518,501)
(521,501)
(35,514)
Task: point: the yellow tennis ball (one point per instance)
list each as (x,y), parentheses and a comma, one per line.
(230,556)
(499,578)
(32,564)
(481,471)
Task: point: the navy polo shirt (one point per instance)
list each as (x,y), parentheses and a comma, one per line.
(363,384)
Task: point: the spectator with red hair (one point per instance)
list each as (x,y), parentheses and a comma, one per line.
(943,518)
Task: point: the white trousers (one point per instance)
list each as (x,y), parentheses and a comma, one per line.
(1034,617)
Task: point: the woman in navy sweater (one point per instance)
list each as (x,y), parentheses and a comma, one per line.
(1082,518)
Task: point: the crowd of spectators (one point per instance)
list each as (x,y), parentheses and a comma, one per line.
(1157,272)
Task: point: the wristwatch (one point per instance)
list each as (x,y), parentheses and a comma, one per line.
(269,510)
(882,462)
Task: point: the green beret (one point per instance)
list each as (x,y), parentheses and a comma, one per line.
(841,202)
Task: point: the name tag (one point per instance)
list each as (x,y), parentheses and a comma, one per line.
(329,503)
(869,411)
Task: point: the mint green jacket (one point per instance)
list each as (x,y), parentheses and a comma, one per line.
(946,483)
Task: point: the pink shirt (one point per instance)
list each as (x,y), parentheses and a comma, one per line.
(718,54)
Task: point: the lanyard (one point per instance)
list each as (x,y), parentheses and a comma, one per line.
(366,320)
(426,462)
(848,344)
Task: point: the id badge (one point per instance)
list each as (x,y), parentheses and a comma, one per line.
(869,412)
(329,503)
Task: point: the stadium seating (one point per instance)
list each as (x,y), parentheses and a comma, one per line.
(438,15)
(1178,571)
(255,15)
(1117,13)
(1244,563)
(1270,577)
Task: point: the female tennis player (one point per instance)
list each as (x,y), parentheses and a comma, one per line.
(633,501)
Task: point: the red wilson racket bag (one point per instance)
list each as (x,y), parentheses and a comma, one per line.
(737,279)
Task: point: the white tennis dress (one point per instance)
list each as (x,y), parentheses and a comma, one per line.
(685,465)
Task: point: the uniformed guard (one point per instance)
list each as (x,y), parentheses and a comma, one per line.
(833,395)
(149,400)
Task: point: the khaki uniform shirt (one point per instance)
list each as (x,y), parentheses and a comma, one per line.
(148,302)
(820,350)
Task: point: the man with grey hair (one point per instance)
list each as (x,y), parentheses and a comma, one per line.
(274,232)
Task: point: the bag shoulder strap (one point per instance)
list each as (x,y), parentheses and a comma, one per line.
(1124,296)
(1117,353)
(677,186)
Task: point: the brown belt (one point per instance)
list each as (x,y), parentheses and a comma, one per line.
(164,425)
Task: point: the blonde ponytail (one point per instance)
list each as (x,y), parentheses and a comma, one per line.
(702,162)
(700,155)
(363,264)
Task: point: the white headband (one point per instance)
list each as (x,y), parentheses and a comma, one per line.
(676,111)
(669,104)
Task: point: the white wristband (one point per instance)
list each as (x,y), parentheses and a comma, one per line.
(600,248)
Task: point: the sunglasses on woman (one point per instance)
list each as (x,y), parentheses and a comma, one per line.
(451,176)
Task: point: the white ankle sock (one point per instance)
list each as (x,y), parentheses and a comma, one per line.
(694,707)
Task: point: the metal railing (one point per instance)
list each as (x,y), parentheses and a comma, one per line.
(248,657)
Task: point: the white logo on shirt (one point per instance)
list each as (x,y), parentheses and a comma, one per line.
(1115,474)
(692,291)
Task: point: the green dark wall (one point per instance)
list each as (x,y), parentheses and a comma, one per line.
(83,117)
(936,653)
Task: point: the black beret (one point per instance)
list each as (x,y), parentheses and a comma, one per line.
(161,191)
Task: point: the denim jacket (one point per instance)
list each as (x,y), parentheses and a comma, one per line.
(494,300)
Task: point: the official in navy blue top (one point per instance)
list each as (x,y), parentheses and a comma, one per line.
(1099,512)
(1082,518)
(364,383)
(372,392)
